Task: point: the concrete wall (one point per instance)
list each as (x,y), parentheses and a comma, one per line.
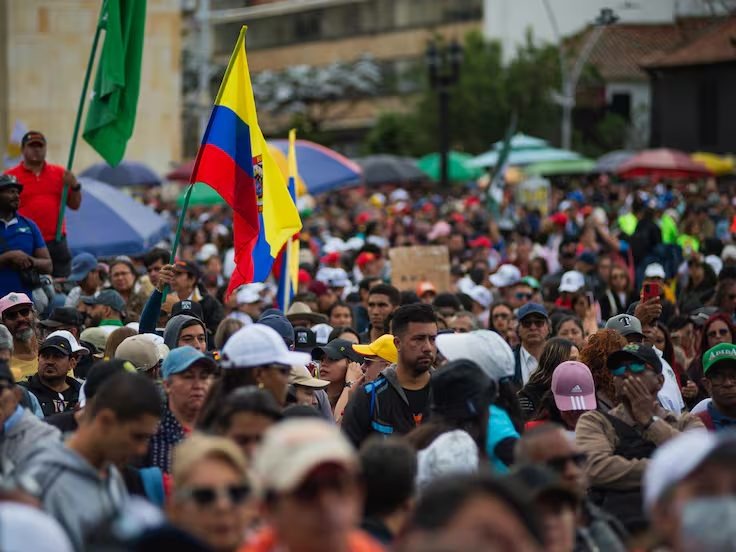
(46,48)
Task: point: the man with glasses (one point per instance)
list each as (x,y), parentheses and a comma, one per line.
(533,332)
(16,311)
(520,294)
(620,442)
(187,375)
(719,379)
(550,445)
(309,484)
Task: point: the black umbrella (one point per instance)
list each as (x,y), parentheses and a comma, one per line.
(389,169)
(127,173)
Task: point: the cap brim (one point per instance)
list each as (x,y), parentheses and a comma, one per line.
(301,465)
(293,357)
(55,348)
(315,317)
(364,350)
(617,357)
(566,403)
(314,383)
(498,282)
(51,323)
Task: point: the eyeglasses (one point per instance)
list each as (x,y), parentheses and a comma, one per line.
(559,463)
(25,312)
(634,368)
(536,322)
(521,295)
(716,333)
(207,496)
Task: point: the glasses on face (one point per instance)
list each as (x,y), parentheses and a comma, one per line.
(559,463)
(633,367)
(536,322)
(521,295)
(25,312)
(207,496)
(712,334)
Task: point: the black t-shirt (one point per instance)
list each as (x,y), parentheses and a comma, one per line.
(417,402)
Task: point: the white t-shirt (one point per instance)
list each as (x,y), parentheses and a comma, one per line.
(669,396)
(528,364)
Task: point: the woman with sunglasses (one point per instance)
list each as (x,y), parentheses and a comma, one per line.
(718,329)
(212,498)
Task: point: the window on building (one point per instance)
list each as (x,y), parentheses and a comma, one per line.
(621,105)
(708,112)
(307,25)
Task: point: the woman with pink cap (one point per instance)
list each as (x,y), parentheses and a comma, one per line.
(571,395)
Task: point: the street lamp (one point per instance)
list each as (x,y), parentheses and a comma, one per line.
(443,65)
(570,76)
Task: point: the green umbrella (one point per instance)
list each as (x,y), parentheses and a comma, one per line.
(202,195)
(566,166)
(457,168)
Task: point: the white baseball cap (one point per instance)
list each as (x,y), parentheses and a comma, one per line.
(572,281)
(481,295)
(322,331)
(484,347)
(729,252)
(506,275)
(76,347)
(654,270)
(258,345)
(249,293)
(28,528)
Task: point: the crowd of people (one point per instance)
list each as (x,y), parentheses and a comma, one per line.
(572,390)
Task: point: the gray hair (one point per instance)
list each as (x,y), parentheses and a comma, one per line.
(6,339)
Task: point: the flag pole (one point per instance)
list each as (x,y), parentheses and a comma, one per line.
(77,121)
(177,236)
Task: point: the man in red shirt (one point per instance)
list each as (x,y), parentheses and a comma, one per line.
(43,184)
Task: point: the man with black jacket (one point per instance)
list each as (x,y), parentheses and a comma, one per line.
(398,400)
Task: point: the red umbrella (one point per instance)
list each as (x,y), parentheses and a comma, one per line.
(663,163)
(182,172)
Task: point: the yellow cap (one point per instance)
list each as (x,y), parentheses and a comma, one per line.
(382,347)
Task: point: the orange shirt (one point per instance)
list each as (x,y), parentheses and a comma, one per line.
(266,541)
(41,196)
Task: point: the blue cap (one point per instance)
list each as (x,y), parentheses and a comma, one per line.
(277,321)
(181,359)
(531,308)
(82,264)
(107,297)
(588,257)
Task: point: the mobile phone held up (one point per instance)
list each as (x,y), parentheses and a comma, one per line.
(650,290)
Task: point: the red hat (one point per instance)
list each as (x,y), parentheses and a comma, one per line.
(428,207)
(472,200)
(362,218)
(481,241)
(559,219)
(304,277)
(331,258)
(318,288)
(457,217)
(364,258)
(426,287)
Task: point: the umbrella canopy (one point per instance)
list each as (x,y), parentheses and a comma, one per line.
(525,150)
(457,167)
(202,196)
(553,168)
(389,169)
(663,163)
(322,169)
(611,161)
(127,173)
(716,163)
(110,222)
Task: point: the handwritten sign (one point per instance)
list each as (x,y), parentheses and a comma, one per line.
(420,263)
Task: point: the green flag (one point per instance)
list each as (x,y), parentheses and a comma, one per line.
(111,114)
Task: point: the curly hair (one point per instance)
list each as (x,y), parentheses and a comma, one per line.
(595,354)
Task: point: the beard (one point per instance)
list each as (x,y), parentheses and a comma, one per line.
(25,335)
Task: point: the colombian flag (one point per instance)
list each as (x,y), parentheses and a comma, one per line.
(235,160)
(286,267)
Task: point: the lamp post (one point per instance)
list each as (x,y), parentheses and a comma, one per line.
(570,76)
(443,64)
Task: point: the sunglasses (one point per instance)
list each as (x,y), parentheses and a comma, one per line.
(536,322)
(521,295)
(207,496)
(715,333)
(634,368)
(559,463)
(25,312)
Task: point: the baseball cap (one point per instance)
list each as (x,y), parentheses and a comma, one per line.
(62,316)
(364,258)
(207,251)
(107,297)
(383,347)
(480,295)
(304,339)
(337,349)
(31,137)
(506,275)
(461,390)
(729,252)
(719,353)
(82,264)
(9,180)
(189,267)
(57,343)
(635,351)
(188,307)
(259,345)
(571,281)
(278,322)
(14,299)
(484,347)
(654,270)
(677,458)
(292,449)
(322,332)
(481,241)
(531,281)
(625,324)
(531,308)
(249,293)
(318,287)
(426,287)
(337,278)
(299,375)
(588,257)
(97,336)
(573,387)
(28,528)
(141,351)
(181,359)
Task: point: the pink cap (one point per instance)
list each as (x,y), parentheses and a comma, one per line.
(13,299)
(573,387)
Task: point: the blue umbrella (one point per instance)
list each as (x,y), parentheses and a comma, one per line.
(127,173)
(110,222)
(322,169)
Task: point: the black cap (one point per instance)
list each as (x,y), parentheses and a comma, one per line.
(461,390)
(57,343)
(63,316)
(190,267)
(191,308)
(32,136)
(9,181)
(304,339)
(337,349)
(635,351)
(6,374)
